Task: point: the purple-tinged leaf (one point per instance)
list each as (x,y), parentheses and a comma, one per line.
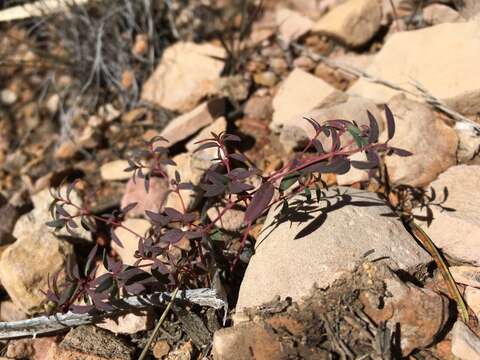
(105,283)
(259,202)
(115,238)
(339,166)
(239,157)
(135,289)
(185,186)
(129,207)
(173,214)
(318,146)
(81,309)
(316,126)
(172,236)
(168,162)
(205,146)
(289,180)
(390,122)
(400,152)
(157,218)
(72,224)
(237,187)
(90,258)
(193,234)
(374,131)
(70,188)
(363,165)
(230,137)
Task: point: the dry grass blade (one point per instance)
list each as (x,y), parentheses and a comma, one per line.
(437,257)
(159,324)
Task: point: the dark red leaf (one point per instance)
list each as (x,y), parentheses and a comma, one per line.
(401,152)
(115,238)
(259,202)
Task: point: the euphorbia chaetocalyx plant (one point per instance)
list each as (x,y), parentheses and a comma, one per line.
(181,245)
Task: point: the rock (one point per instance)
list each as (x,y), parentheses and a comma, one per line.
(472,297)
(331,242)
(468,151)
(128,324)
(465,344)
(66,150)
(259,107)
(457,232)
(9,215)
(291,25)
(423,58)
(188,124)
(184,352)
(432,143)
(115,170)
(435,14)
(304,63)
(152,201)
(33,223)
(235,87)
(20,349)
(299,93)
(417,325)
(231,343)
(160,349)
(354,22)
(95,342)
(191,170)
(468,8)
(232,219)
(354,175)
(402,8)
(359,61)
(298,131)
(468,275)
(8,97)
(11,312)
(195,66)
(217,127)
(129,240)
(266,78)
(26,265)
(279,65)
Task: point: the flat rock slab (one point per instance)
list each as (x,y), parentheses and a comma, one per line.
(422,56)
(319,242)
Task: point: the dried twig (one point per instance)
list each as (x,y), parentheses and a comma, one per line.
(53,323)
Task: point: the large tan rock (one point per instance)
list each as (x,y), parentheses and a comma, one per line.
(465,274)
(422,56)
(26,265)
(435,14)
(187,73)
(299,93)
(319,246)
(189,123)
(354,22)
(418,130)
(457,232)
(115,170)
(217,127)
(468,8)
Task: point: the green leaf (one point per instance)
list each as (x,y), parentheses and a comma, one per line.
(356,133)
(289,180)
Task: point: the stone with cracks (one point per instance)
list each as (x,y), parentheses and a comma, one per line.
(291,25)
(187,73)
(317,245)
(465,344)
(421,56)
